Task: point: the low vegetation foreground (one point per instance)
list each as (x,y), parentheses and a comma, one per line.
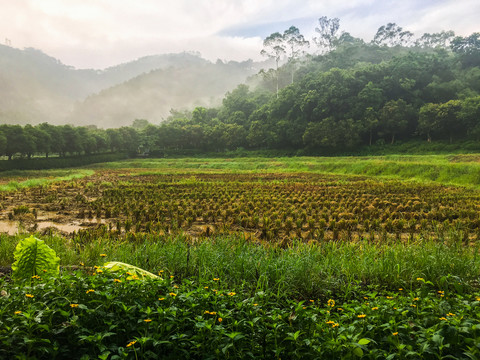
(248,258)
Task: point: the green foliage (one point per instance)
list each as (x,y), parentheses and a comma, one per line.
(34,258)
(103,316)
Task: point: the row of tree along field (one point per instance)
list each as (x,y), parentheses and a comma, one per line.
(353,95)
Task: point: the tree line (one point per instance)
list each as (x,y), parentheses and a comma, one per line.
(350,94)
(45,139)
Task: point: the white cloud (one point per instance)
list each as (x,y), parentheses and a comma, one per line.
(100,33)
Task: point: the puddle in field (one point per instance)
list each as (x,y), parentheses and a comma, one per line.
(67,228)
(12,227)
(9,227)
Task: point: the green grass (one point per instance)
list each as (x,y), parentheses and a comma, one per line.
(39,177)
(430,168)
(463,171)
(303,270)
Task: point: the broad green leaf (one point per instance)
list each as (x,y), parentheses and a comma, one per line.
(117,266)
(363,341)
(358,352)
(34,257)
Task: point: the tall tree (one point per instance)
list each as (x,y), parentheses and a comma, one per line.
(441,40)
(370,122)
(468,48)
(428,120)
(3,142)
(327,33)
(296,46)
(274,48)
(392,35)
(394,117)
(15,139)
(30,145)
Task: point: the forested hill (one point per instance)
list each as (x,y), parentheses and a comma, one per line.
(152,95)
(37,88)
(355,95)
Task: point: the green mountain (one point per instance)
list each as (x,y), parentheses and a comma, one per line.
(37,88)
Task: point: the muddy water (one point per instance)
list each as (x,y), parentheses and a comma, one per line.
(13,227)
(9,227)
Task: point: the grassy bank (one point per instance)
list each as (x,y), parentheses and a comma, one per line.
(445,169)
(20,179)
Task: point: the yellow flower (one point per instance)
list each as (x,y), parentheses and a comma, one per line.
(131,343)
(103,255)
(160,272)
(36,277)
(401,289)
(161,299)
(206,287)
(172,276)
(96,267)
(175,286)
(477,298)
(29,296)
(335,325)
(82,264)
(147,320)
(74,306)
(330,322)
(413,305)
(395,333)
(312,301)
(420,279)
(17,312)
(99,271)
(255,304)
(89,291)
(117,280)
(220,319)
(331,303)
(416,299)
(450,314)
(129,274)
(389,297)
(361,316)
(339,309)
(365,297)
(441,292)
(172,294)
(442,318)
(375,308)
(216,279)
(232,294)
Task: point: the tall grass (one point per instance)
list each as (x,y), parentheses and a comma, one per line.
(303,270)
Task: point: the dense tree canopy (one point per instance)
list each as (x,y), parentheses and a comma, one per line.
(354,94)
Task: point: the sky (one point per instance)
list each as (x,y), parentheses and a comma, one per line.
(102,33)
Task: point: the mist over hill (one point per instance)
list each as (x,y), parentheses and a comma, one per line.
(37,88)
